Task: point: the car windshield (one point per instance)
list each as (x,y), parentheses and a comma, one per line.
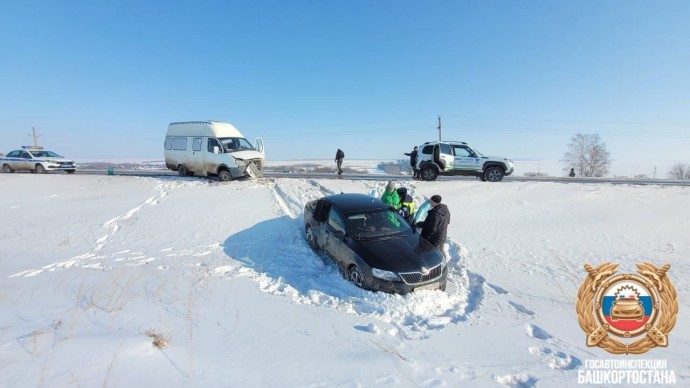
(45,154)
(232,144)
(376,224)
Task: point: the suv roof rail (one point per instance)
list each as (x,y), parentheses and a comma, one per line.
(445,141)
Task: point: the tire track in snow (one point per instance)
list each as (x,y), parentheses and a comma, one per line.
(112,226)
(160,192)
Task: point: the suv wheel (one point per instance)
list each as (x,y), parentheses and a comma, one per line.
(429,173)
(493,174)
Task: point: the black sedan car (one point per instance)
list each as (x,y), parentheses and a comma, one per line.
(373,246)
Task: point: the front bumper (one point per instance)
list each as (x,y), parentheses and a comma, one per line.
(512,169)
(252,168)
(402,288)
(60,166)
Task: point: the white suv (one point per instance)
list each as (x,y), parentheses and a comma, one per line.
(457,158)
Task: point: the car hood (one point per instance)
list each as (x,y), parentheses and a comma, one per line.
(246,155)
(399,254)
(491,157)
(58,160)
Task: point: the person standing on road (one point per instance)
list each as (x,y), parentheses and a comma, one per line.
(435,228)
(413,161)
(339,156)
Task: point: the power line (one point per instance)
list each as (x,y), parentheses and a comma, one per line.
(574,121)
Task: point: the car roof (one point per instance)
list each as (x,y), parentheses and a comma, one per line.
(353,202)
(446,141)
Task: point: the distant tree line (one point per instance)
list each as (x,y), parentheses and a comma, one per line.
(679,171)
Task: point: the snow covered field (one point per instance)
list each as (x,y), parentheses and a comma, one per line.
(95,269)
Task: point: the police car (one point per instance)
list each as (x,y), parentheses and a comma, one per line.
(36,159)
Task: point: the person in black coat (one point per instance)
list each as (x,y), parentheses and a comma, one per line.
(413,161)
(435,227)
(339,156)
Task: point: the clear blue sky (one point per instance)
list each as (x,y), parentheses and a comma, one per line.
(102,79)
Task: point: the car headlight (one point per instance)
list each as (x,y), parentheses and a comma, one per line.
(384,275)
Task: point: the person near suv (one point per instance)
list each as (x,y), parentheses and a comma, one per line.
(413,161)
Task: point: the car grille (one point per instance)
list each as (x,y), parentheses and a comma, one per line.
(418,277)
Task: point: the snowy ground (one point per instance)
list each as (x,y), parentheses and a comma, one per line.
(94,269)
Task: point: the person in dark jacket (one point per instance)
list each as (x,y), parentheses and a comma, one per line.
(413,161)
(339,156)
(406,209)
(435,228)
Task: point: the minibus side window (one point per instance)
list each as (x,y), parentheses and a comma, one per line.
(180,144)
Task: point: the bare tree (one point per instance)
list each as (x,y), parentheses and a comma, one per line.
(679,171)
(587,154)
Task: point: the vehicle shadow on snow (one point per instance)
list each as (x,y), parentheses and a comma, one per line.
(285,264)
(276,255)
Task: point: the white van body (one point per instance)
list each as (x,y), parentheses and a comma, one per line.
(212,148)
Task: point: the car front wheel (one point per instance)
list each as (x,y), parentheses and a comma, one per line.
(40,169)
(493,174)
(224,175)
(6,168)
(356,276)
(429,173)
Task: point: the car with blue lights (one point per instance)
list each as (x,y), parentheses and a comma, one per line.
(36,159)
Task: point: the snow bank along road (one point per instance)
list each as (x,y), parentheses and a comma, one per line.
(512,178)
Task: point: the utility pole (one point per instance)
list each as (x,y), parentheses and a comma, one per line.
(439,128)
(35,136)
(654,176)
